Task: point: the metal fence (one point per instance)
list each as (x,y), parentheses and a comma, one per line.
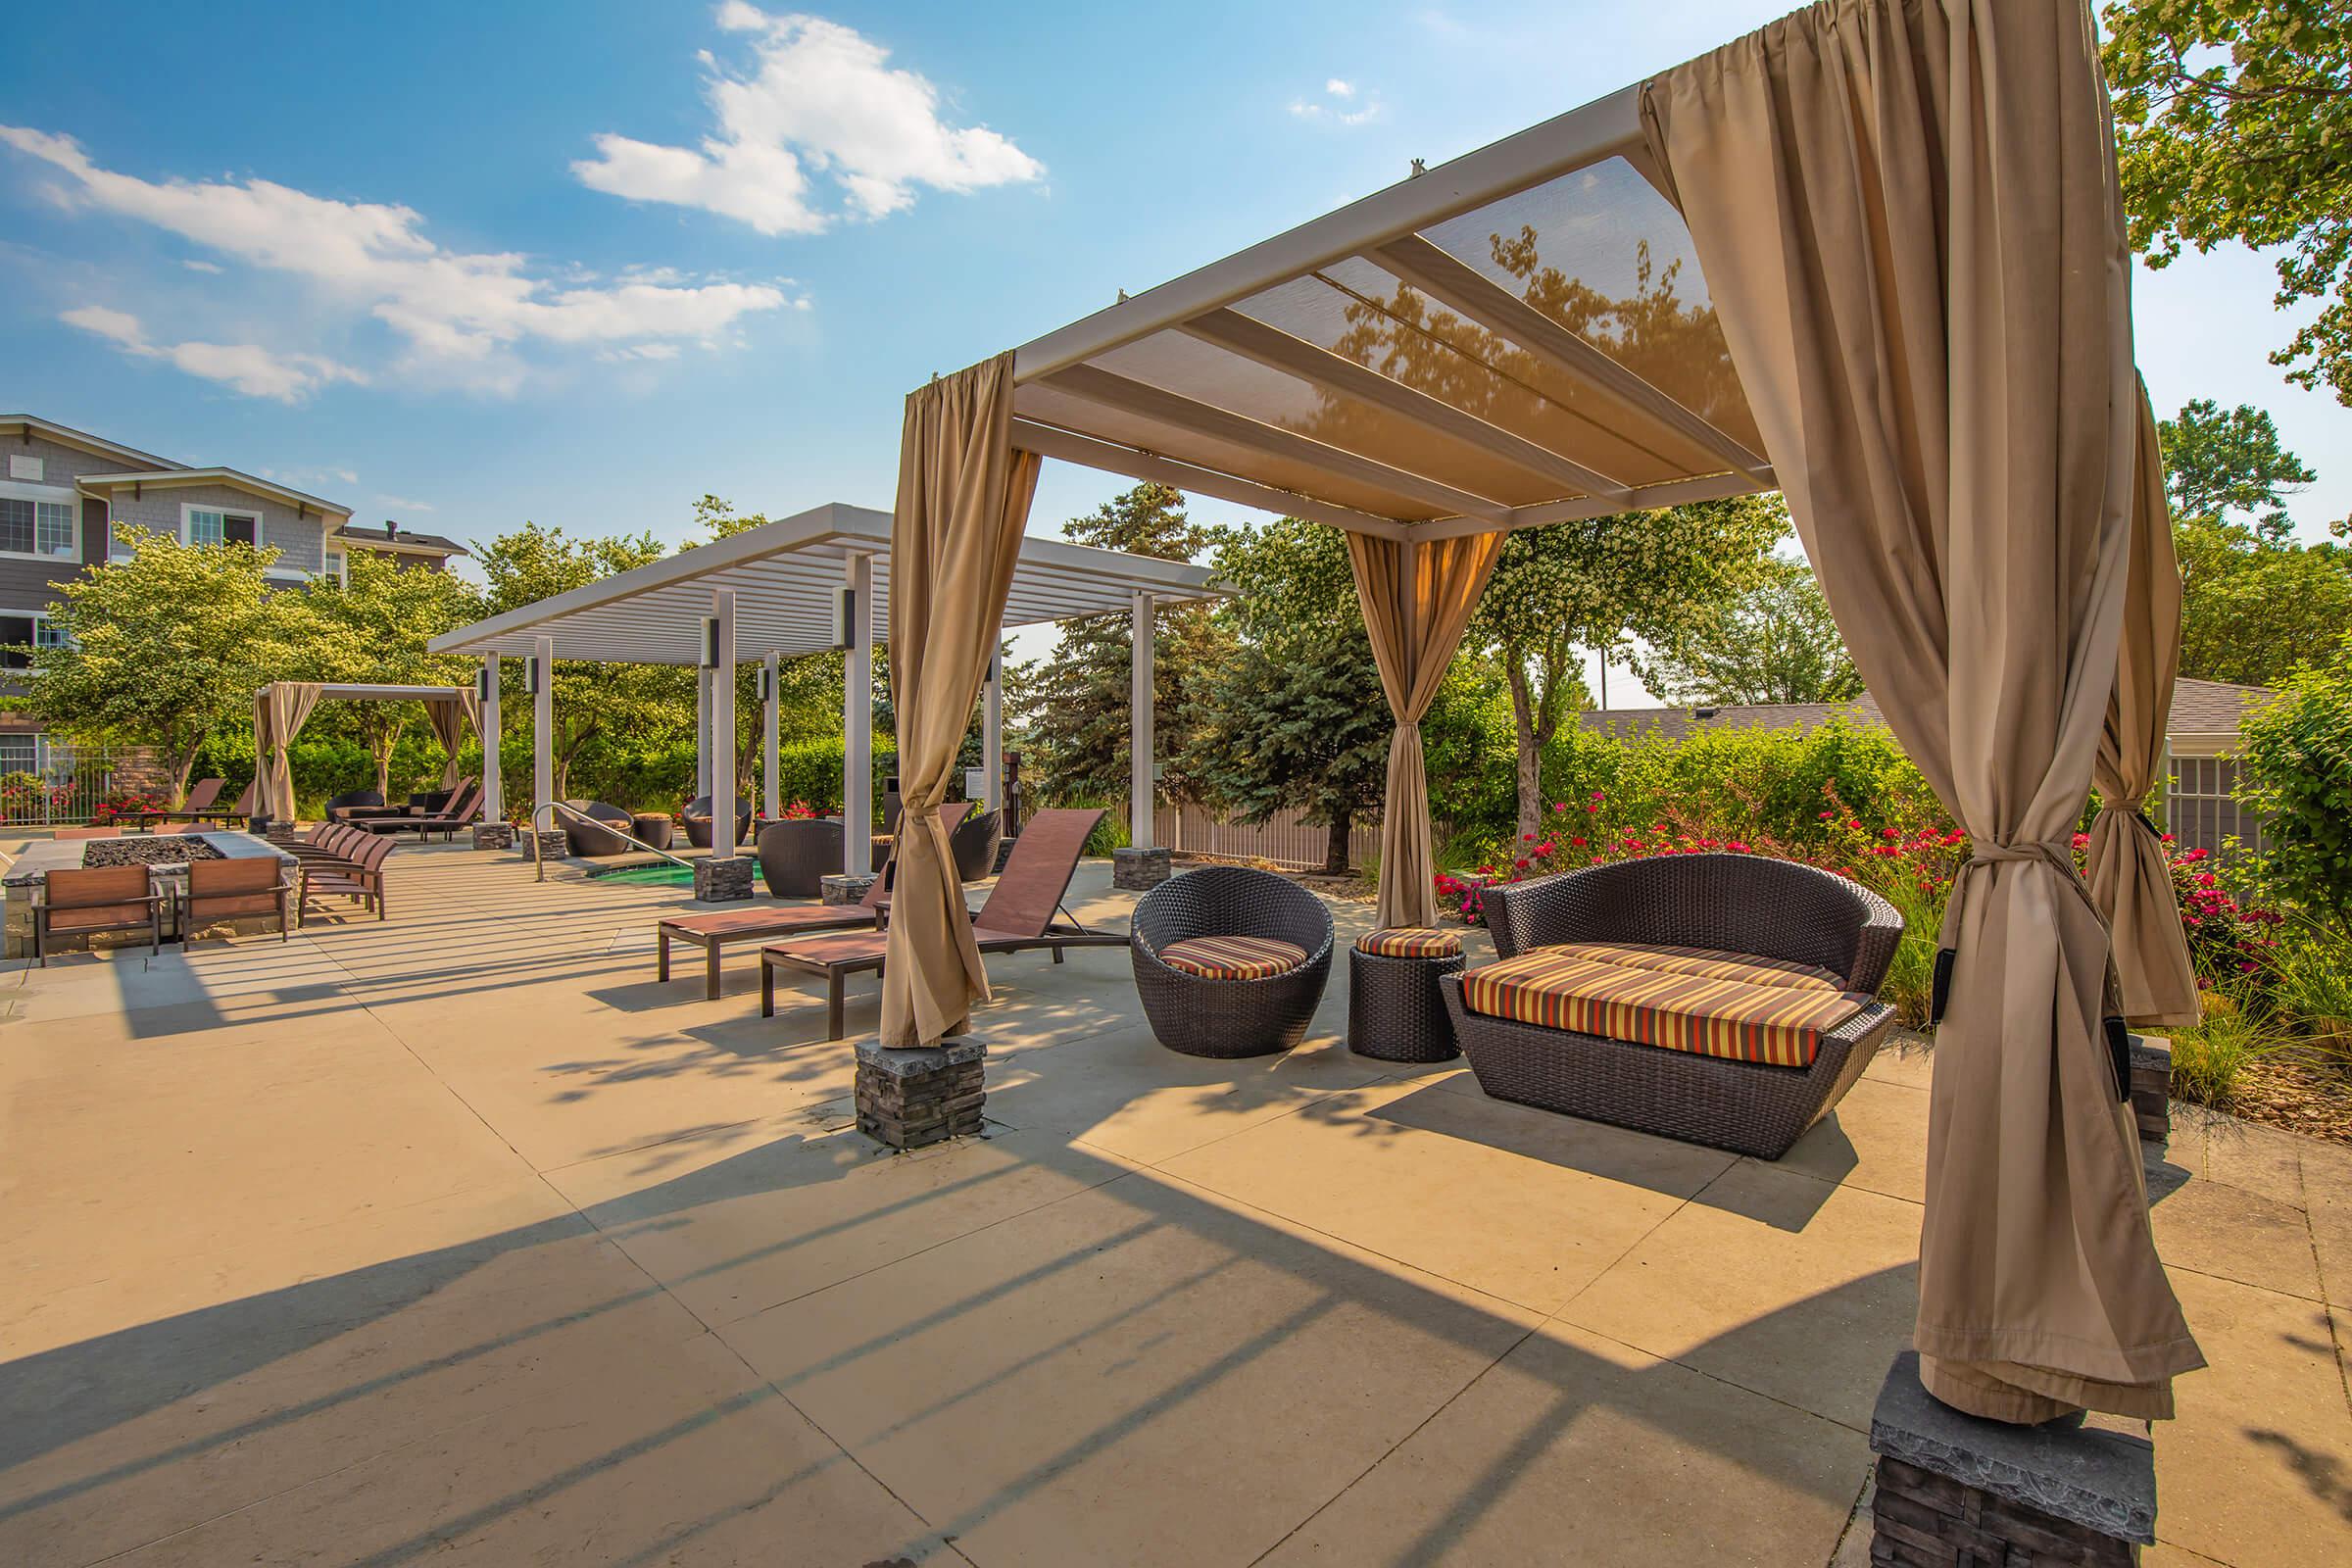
(43,782)
(1285,840)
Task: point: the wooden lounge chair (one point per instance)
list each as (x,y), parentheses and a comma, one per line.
(463,807)
(230,889)
(199,802)
(241,811)
(1024,910)
(93,899)
(725,928)
(360,877)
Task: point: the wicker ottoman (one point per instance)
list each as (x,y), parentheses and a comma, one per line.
(1395,1011)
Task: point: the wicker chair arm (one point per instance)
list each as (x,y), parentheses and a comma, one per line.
(1523,915)
(1874,944)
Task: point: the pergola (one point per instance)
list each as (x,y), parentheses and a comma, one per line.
(280,708)
(1872,255)
(818,580)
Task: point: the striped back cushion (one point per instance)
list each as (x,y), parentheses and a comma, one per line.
(1706,962)
(1233,957)
(1780,1025)
(1410,941)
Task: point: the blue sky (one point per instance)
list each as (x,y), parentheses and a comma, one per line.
(463,265)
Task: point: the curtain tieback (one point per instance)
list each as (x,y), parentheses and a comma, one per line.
(2056,854)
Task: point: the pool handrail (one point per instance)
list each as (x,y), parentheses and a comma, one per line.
(539,861)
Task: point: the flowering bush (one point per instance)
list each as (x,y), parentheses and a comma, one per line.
(117,804)
(800,811)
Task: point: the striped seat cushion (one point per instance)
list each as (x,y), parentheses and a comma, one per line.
(1777,1024)
(1233,957)
(1706,962)
(1410,941)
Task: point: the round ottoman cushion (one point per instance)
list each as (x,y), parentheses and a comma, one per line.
(1410,941)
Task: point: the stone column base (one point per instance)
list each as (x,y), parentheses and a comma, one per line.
(553,845)
(493,835)
(844,887)
(723,881)
(2153,1088)
(909,1097)
(1138,870)
(1953,1489)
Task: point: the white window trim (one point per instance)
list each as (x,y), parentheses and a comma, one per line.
(187,520)
(39,618)
(59,494)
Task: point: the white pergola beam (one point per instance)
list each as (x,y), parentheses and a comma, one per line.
(1048,441)
(722,728)
(1462,287)
(770,762)
(1648,498)
(1560,145)
(1319,366)
(494,785)
(992,733)
(1107,389)
(1140,796)
(543,727)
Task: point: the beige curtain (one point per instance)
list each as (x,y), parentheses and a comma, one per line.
(1908,218)
(1417,599)
(963,500)
(2130,879)
(451,717)
(277,717)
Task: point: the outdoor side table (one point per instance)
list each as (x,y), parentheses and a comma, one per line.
(1394,1012)
(653,828)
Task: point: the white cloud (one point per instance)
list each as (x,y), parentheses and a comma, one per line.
(195,265)
(461,313)
(405,504)
(818,99)
(1337,112)
(249,368)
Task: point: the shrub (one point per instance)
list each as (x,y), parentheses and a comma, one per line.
(2297,774)
(2210,1061)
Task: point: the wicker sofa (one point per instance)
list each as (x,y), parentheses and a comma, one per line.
(1201,1016)
(1735,903)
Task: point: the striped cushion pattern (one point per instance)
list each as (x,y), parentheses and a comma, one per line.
(1705,963)
(1233,957)
(1778,1025)
(1410,941)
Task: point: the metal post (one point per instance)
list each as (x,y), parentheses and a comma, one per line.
(494,784)
(543,728)
(701,731)
(769,762)
(722,728)
(992,734)
(1140,799)
(858,721)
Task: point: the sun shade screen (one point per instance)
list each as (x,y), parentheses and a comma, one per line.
(1552,351)
(1910,219)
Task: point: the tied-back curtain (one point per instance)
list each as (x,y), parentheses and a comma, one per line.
(277,717)
(1908,217)
(451,717)
(2130,875)
(1417,599)
(964,501)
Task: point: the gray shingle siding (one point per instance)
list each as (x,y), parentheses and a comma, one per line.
(27,583)
(296,538)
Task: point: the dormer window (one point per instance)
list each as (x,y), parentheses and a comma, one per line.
(217,525)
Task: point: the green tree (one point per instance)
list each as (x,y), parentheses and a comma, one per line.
(2233,119)
(2255,611)
(373,628)
(1294,716)
(1653,576)
(2216,463)
(2297,753)
(644,704)
(167,646)
(1774,643)
(1073,710)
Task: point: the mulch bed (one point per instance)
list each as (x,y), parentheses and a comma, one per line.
(2302,1095)
(168,848)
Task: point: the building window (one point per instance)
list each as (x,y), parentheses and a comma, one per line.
(214,526)
(334,568)
(32,527)
(19,754)
(23,630)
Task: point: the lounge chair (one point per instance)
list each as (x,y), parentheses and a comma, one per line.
(354,804)
(725,928)
(230,889)
(1229,960)
(199,803)
(1025,911)
(463,807)
(360,877)
(1726,999)
(242,811)
(94,899)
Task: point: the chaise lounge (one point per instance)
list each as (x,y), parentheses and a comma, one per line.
(1724,1000)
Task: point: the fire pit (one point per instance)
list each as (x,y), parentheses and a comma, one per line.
(169,849)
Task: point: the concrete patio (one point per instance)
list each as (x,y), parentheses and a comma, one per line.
(457,1235)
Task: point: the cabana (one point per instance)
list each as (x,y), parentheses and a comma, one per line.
(1874,256)
(821,579)
(280,708)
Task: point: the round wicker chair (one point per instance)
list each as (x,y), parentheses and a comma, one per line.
(591,842)
(975,844)
(797,853)
(1203,1017)
(697,818)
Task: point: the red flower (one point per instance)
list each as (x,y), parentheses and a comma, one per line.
(1521,865)
(1579,843)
